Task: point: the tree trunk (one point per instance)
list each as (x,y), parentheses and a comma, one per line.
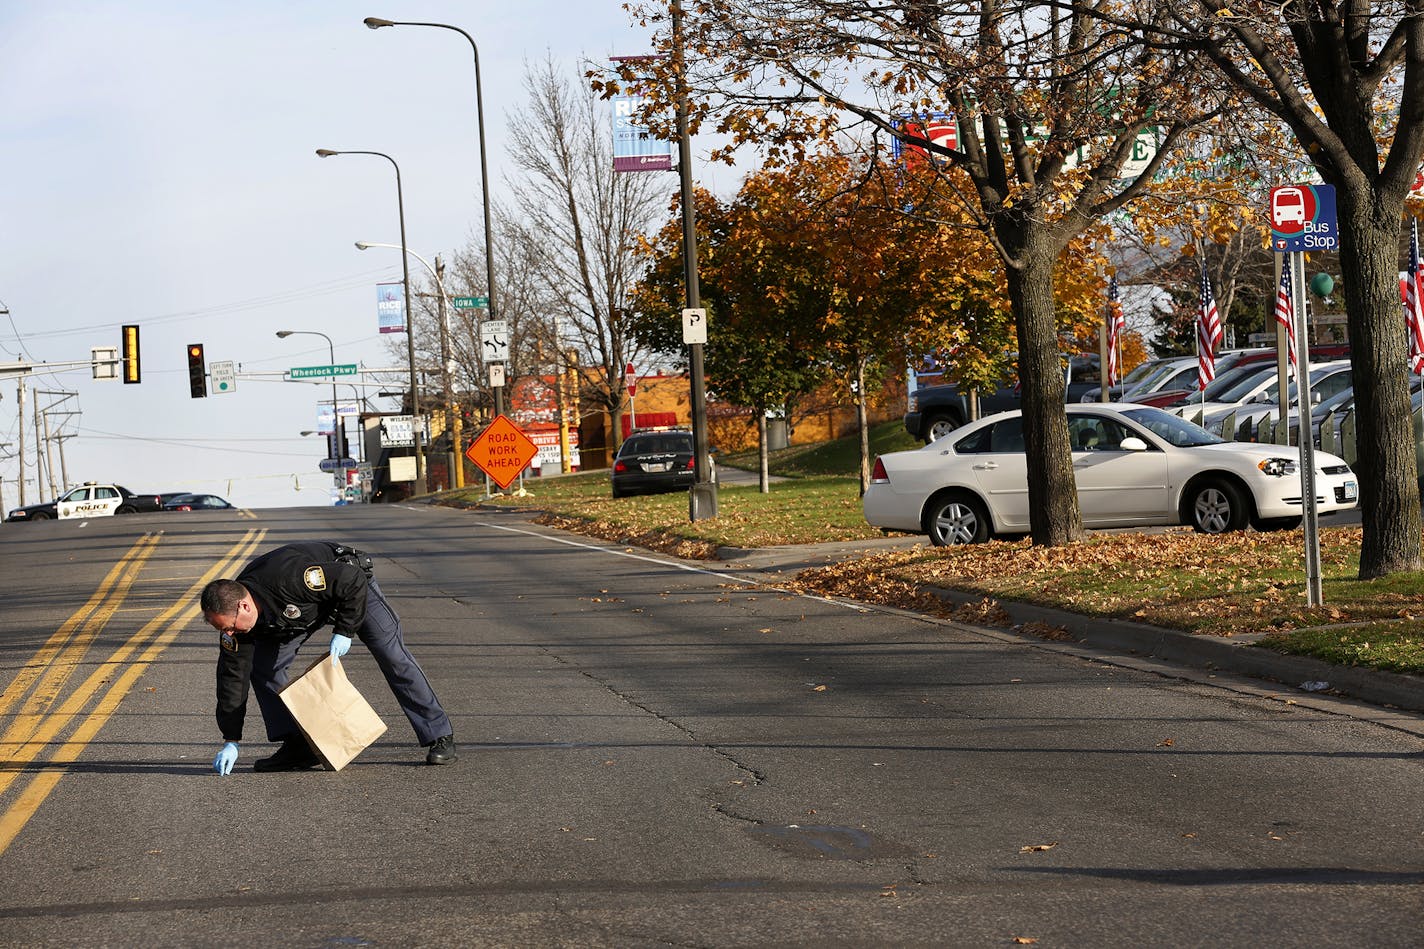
(862,426)
(1388,475)
(762,450)
(1054,516)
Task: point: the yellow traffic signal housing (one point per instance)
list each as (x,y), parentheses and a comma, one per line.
(128,360)
(197,371)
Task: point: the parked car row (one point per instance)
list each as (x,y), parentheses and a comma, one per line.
(1173,380)
(102,500)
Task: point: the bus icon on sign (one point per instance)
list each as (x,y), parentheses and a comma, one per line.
(1287,207)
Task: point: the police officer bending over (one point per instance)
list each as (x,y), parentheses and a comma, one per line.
(271,609)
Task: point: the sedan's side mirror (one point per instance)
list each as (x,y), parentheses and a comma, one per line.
(1132,443)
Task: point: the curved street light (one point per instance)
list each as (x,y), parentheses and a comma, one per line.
(376,23)
(409,322)
(338,435)
(452,417)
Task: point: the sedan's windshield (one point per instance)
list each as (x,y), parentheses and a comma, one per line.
(1246,386)
(1157,373)
(1139,372)
(1171,428)
(1224,382)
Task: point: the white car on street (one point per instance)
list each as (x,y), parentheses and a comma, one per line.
(1135,465)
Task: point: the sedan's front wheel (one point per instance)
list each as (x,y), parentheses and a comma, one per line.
(956,519)
(1218,507)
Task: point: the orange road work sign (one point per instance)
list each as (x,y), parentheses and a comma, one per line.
(502,451)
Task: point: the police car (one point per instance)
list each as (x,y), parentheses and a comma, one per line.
(90,499)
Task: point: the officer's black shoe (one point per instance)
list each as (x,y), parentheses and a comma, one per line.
(442,751)
(294,755)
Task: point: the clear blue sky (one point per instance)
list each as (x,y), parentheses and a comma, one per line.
(159,169)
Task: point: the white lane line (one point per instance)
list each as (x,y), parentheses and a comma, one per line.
(673,563)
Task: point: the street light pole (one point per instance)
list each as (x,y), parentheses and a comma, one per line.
(376,23)
(702,498)
(409,317)
(452,417)
(338,433)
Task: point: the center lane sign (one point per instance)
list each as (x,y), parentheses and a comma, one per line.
(502,451)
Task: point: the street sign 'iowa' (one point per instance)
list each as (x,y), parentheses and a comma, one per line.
(502,451)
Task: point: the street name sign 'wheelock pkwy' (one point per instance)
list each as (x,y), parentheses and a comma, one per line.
(322,372)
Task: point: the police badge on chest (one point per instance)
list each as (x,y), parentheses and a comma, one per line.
(292,611)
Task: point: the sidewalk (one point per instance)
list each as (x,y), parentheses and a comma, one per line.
(1212,653)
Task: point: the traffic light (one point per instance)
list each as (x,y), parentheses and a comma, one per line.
(128,360)
(197,371)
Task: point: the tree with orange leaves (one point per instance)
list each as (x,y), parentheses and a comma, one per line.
(839,268)
(1050,106)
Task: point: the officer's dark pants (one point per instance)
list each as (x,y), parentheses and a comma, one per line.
(382,635)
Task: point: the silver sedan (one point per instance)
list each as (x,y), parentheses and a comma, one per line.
(1135,466)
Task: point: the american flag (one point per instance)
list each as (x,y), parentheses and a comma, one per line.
(1116,325)
(1285,315)
(1413,305)
(1208,332)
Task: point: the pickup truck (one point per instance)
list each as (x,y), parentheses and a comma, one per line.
(90,499)
(935,411)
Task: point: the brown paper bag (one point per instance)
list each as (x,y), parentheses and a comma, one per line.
(337,722)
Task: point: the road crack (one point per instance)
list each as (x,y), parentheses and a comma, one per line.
(754,777)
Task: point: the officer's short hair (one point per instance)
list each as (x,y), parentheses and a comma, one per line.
(222,596)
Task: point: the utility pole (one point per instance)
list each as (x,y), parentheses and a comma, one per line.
(21,442)
(60,397)
(702,498)
(48,447)
(456,464)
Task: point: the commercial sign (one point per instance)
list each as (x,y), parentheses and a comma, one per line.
(502,451)
(634,147)
(551,450)
(390,307)
(1302,217)
(940,128)
(397,431)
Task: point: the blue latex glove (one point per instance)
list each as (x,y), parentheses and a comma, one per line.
(339,645)
(226,758)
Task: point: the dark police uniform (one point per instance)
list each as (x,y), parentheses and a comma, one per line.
(298,589)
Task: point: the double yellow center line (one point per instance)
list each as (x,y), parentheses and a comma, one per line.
(56,727)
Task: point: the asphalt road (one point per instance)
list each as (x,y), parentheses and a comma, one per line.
(661,753)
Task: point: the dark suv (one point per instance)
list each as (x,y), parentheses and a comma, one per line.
(935,411)
(652,462)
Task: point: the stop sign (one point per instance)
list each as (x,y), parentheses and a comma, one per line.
(630,379)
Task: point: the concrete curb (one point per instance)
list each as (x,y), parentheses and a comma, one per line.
(1234,654)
